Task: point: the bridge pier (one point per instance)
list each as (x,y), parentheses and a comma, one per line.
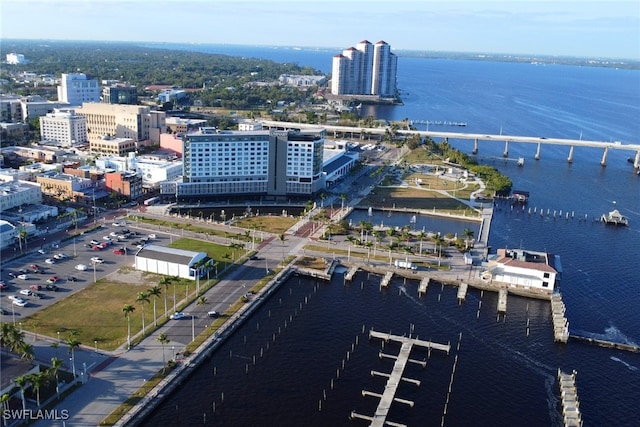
(636,161)
(570,158)
(537,156)
(603,162)
(475,146)
(506,149)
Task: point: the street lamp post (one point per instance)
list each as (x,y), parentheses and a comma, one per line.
(95,343)
(94,272)
(193,327)
(173,349)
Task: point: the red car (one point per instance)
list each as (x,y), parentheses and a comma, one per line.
(3,285)
(53,279)
(35,287)
(118,251)
(34,267)
(96,248)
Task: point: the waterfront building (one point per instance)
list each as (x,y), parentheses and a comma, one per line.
(273,164)
(524,269)
(298,80)
(365,70)
(135,122)
(337,162)
(64,126)
(76,89)
(120,93)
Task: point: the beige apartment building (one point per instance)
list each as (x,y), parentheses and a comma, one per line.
(134,122)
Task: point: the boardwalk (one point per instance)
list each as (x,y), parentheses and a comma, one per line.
(352,272)
(388,396)
(386,279)
(569,395)
(560,323)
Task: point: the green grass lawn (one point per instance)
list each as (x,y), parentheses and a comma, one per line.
(272,224)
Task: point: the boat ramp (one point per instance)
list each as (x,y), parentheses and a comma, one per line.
(569,396)
(379,419)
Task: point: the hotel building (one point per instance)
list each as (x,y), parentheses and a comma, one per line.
(272,164)
(365,70)
(63,126)
(77,88)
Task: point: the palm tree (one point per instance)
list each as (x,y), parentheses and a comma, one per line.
(422,235)
(56,364)
(73,343)
(155,292)
(142,298)
(165,281)
(437,240)
(128,309)
(37,380)
(22,382)
(5,406)
(26,351)
(343,197)
(162,339)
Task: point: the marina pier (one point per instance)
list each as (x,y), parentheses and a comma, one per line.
(569,396)
(379,419)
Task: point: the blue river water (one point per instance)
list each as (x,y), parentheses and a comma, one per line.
(305,333)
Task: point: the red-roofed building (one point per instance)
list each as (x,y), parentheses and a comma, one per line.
(524,269)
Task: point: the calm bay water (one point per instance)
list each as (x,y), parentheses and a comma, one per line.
(502,377)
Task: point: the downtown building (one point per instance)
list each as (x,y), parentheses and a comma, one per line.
(77,88)
(366,69)
(276,165)
(63,126)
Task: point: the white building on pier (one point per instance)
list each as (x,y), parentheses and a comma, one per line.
(524,269)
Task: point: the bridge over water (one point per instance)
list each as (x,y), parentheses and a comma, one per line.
(476,137)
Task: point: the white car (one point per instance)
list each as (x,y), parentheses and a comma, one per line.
(116,224)
(94,242)
(42,251)
(23,276)
(97,260)
(113,234)
(81,267)
(17,300)
(50,261)
(26,292)
(107,238)
(177,315)
(152,236)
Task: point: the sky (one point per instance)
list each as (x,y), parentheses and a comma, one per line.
(580,28)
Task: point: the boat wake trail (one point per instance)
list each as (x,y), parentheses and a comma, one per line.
(611,334)
(629,366)
(403,291)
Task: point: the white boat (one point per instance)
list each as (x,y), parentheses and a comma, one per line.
(615,218)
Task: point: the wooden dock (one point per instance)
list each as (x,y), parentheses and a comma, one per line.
(569,396)
(560,323)
(351,273)
(379,419)
(462,292)
(386,279)
(424,284)
(502,300)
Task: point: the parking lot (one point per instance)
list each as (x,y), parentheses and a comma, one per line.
(69,267)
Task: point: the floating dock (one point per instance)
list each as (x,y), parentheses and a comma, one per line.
(502,300)
(424,284)
(351,273)
(462,292)
(569,396)
(379,419)
(386,279)
(560,322)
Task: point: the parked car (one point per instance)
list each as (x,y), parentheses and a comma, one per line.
(94,242)
(107,238)
(42,251)
(50,261)
(23,276)
(177,315)
(26,292)
(3,286)
(118,251)
(151,236)
(34,267)
(113,234)
(97,260)
(17,300)
(51,287)
(116,224)
(53,279)
(35,287)
(81,267)
(71,279)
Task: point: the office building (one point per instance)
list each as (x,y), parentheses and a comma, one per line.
(77,88)
(365,70)
(128,184)
(64,126)
(110,145)
(120,94)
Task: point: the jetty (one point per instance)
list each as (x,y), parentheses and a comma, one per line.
(386,279)
(351,273)
(424,284)
(569,396)
(462,292)
(560,322)
(379,419)
(502,300)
